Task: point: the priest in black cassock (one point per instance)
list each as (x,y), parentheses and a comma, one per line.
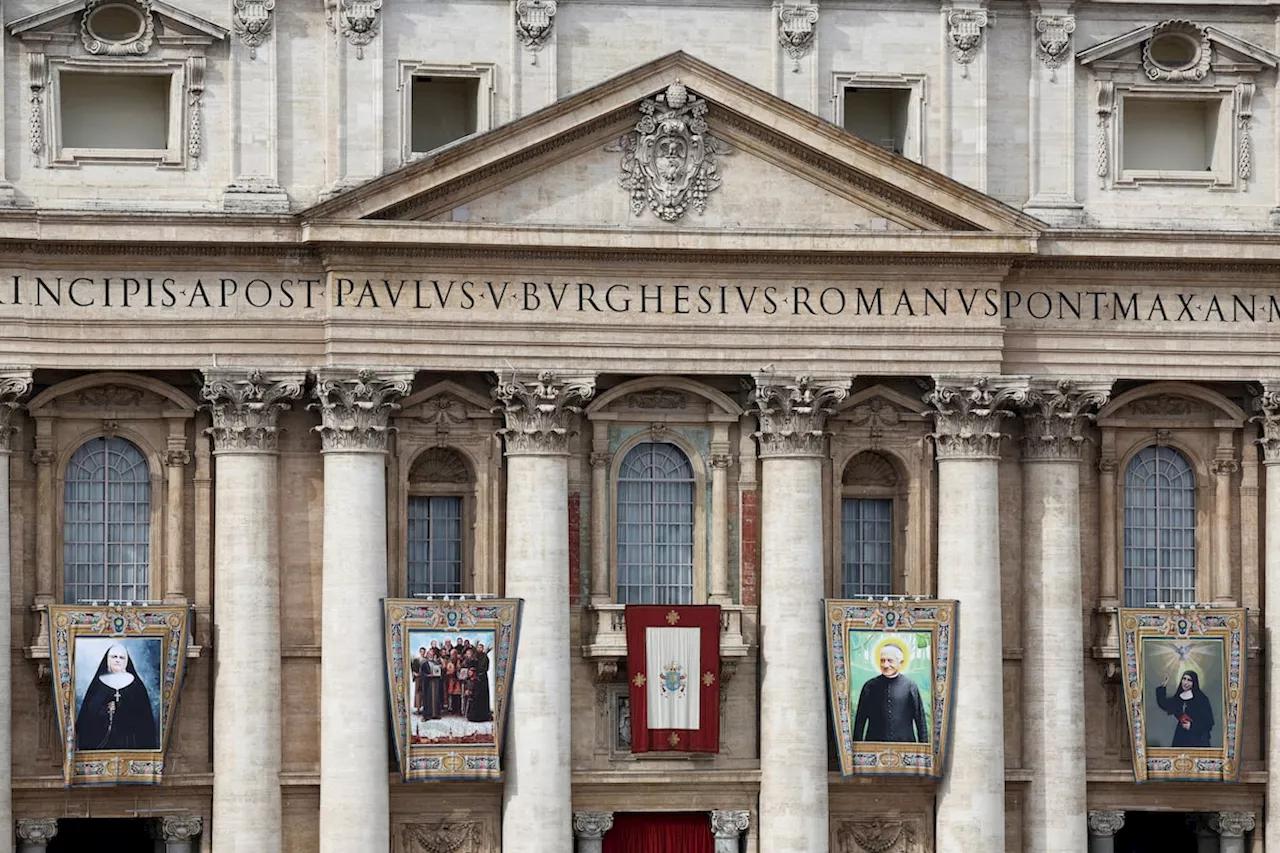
(889,707)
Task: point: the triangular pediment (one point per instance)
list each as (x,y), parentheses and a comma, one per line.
(1226,52)
(773,168)
(68,19)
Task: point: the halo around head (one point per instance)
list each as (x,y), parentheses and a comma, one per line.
(898,644)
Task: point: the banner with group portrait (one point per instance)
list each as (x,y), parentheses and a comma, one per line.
(117,674)
(890,670)
(1184,687)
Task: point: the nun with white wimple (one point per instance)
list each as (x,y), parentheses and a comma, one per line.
(116,711)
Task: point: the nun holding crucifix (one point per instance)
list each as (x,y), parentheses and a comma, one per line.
(116,712)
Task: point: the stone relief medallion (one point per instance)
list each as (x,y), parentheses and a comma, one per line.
(668,161)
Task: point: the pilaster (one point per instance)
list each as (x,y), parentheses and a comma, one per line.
(795,67)
(1103,826)
(356,70)
(533,65)
(964,85)
(15,384)
(589,829)
(1052,134)
(1266,406)
(255,186)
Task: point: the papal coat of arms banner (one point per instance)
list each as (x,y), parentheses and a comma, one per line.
(673,666)
(891,673)
(1184,681)
(449,671)
(117,675)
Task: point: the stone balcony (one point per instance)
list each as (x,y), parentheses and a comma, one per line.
(605,639)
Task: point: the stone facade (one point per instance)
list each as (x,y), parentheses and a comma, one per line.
(659,233)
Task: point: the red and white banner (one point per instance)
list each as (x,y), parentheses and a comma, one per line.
(673,665)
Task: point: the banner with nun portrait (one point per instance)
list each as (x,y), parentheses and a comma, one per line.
(117,675)
(449,670)
(1184,683)
(890,673)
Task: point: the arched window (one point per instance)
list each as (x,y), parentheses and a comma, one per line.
(655,525)
(107,523)
(434,541)
(1159,529)
(866,526)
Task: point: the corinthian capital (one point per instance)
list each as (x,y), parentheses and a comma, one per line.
(246,405)
(1266,406)
(539,412)
(355,406)
(793,415)
(967,413)
(1054,416)
(15,383)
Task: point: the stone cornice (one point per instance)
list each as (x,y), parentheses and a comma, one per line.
(246,406)
(968,412)
(793,414)
(15,383)
(1054,415)
(355,407)
(539,411)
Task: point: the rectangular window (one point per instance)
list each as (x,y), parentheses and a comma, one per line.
(435,546)
(442,110)
(115,111)
(1162,135)
(878,115)
(866,534)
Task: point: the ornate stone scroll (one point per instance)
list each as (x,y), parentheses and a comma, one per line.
(1266,405)
(251,20)
(728,826)
(796,30)
(1055,414)
(1053,40)
(879,835)
(1231,824)
(136,45)
(1195,35)
(1244,116)
(180,827)
(668,161)
(355,407)
(358,22)
(539,412)
(39,831)
(964,35)
(15,384)
(793,415)
(1105,823)
(447,836)
(967,413)
(535,20)
(1106,100)
(245,406)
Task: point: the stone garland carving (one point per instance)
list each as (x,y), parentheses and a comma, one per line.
(443,837)
(355,408)
(14,385)
(668,161)
(1054,417)
(876,415)
(1244,115)
(39,831)
(1053,40)
(251,20)
(1106,101)
(793,415)
(538,413)
(592,824)
(877,835)
(38,74)
(195,95)
(535,20)
(1105,823)
(180,827)
(1266,405)
(1194,72)
(729,824)
(967,416)
(358,21)
(1231,824)
(796,30)
(136,46)
(443,412)
(245,406)
(964,33)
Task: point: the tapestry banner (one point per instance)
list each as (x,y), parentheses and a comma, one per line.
(1184,683)
(673,666)
(449,671)
(891,675)
(117,674)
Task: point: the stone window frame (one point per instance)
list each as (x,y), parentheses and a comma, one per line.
(913,146)
(899,496)
(466,491)
(407,69)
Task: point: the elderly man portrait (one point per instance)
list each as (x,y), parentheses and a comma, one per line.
(890,708)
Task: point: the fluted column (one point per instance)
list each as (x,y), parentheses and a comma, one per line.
(355,804)
(34,835)
(1053,732)
(589,828)
(245,407)
(179,833)
(14,385)
(1267,407)
(727,827)
(793,733)
(968,415)
(1103,826)
(539,413)
(1231,827)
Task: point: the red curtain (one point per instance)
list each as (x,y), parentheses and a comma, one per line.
(684,832)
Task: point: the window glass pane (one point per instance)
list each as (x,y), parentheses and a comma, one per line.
(866,535)
(434,545)
(1159,529)
(107,523)
(655,525)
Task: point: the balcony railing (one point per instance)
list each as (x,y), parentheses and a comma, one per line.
(605,638)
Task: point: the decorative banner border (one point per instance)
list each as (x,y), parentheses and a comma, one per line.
(408,622)
(1209,643)
(167,626)
(924,630)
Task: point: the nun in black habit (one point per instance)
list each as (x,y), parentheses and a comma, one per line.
(116,711)
(1189,706)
